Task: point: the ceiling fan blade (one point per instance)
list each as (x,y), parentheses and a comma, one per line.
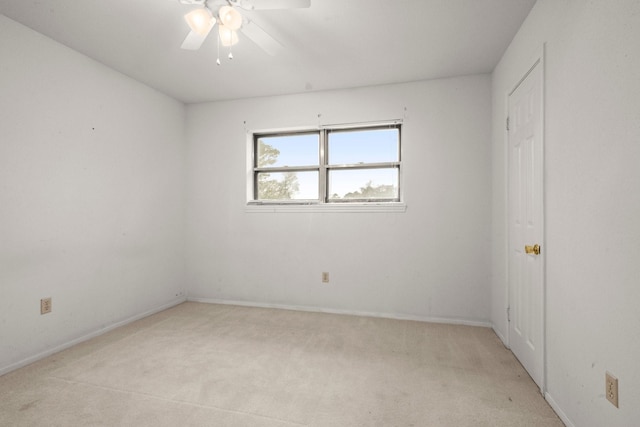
(262,39)
(273,4)
(193,41)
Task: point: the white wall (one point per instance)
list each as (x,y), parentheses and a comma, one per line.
(91,196)
(427,262)
(592,142)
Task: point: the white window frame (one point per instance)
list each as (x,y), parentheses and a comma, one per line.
(324,203)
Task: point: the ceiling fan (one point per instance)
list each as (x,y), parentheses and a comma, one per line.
(227,16)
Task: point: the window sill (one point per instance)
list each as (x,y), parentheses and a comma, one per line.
(328,207)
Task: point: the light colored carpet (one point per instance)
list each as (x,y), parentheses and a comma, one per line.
(216,365)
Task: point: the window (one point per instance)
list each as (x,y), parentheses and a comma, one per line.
(331,165)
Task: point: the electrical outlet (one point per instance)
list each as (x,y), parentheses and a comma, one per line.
(611,389)
(45,305)
(325,277)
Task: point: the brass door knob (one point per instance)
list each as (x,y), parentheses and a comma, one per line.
(535,249)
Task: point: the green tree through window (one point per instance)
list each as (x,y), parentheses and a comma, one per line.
(372,192)
(270,188)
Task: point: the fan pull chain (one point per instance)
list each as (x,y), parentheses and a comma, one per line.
(230,53)
(218,58)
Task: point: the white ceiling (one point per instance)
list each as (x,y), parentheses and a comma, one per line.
(331,45)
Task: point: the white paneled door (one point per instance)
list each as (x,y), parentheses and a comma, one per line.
(526,246)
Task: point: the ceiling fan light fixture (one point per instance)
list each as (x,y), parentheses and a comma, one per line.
(200,21)
(228,37)
(230,18)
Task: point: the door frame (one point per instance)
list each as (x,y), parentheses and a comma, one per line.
(536,60)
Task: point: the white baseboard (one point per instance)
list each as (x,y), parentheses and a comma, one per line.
(554,405)
(98,332)
(500,335)
(451,321)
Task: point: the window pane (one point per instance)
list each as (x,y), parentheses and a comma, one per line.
(363,184)
(288,185)
(348,147)
(288,150)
